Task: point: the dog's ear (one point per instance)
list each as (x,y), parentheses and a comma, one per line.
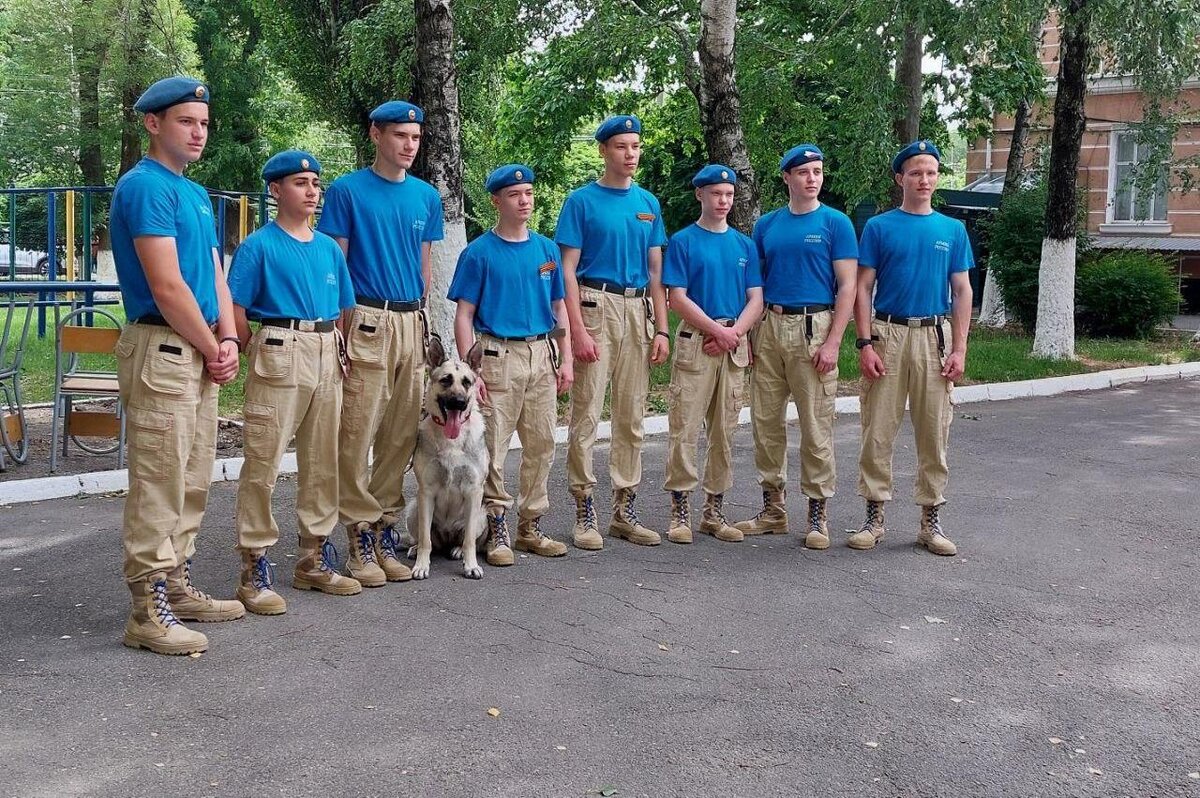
(435,353)
(475,357)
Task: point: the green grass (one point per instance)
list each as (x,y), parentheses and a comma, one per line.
(992,356)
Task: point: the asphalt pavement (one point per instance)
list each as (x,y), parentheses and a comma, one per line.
(1057,655)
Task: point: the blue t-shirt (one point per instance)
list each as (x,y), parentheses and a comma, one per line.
(151,200)
(913,256)
(714,268)
(275,276)
(613,229)
(798,251)
(385,224)
(511,284)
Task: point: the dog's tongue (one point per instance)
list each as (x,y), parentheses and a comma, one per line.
(453,423)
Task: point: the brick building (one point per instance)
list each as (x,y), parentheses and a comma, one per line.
(1119,215)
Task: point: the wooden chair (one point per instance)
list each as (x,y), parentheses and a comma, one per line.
(12,409)
(72,383)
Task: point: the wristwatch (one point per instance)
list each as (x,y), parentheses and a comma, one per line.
(860,343)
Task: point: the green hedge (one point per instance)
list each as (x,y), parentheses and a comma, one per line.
(1125,295)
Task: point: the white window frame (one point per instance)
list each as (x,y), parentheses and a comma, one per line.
(1113,225)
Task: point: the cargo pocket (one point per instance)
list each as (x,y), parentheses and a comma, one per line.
(258,430)
(494,368)
(366,339)
(591,308)
(274,356)
(689,345)
(149,434)
(829,385)
(125,346)
(170,365)
(353,391)
(737,398)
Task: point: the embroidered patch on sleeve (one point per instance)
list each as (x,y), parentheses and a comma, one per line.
(646,217)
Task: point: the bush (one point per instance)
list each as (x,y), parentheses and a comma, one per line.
(1125,295)
(1014,240)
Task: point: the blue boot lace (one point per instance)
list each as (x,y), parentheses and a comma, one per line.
(389,543)
(264,575)
(162,606)
(329,557)
(499,529)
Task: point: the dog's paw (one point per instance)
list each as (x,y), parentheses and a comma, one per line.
(472,572)
(420,571)
(412,552)
(456,554)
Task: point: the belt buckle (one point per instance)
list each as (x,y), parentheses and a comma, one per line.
(630,292)
(306,326)
(914,322)
(529,339)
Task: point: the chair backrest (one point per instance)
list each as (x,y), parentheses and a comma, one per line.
(88,340)
(76,339)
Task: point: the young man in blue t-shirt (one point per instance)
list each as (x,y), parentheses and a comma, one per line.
(295,284)
(712,273)
(179,345)
(509,290)
(809,255)
(385,220)
(913,261)
(611,235)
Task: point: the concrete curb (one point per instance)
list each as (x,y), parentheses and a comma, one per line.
(23,491)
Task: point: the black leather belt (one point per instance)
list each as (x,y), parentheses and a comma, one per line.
(156,320)
(797,310)
(300,324)
(612,288)
(911,321)
(384,304)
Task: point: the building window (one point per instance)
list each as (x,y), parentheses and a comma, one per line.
(1130,202)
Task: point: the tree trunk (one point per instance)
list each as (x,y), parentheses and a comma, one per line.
(993,313)
(908,87)
(720,107)
(1055,336)
(137,32)
(437,85)
(89,54)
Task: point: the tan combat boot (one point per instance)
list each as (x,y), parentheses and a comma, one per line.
(625,523)
(387,550)
(931,535)
(360,559)
(189,603)
(317,570)
(872,530)
(818,526)
(153,626)
(771,520)
(255,584)
(713,522)
(586,536)
(499,544)
(680,530)
(531,539)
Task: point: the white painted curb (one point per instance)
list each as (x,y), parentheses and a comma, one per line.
(23,491)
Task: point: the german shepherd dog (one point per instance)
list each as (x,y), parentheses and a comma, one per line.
(450,464)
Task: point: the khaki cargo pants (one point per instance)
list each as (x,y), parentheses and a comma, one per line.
(913,362)
(705,391)
(623,328)
(521,384)
(783,370)
(381,406)
(293,388)
(170,406)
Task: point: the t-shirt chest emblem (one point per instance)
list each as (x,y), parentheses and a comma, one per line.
(814,238)
(547,269)
(646,217)
(941,246)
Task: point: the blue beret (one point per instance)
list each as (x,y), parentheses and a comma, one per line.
(512,174)
(625,123)
(171,91)
(398,111)
(289,162)
(918,147)
(714,173)
(800,155)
